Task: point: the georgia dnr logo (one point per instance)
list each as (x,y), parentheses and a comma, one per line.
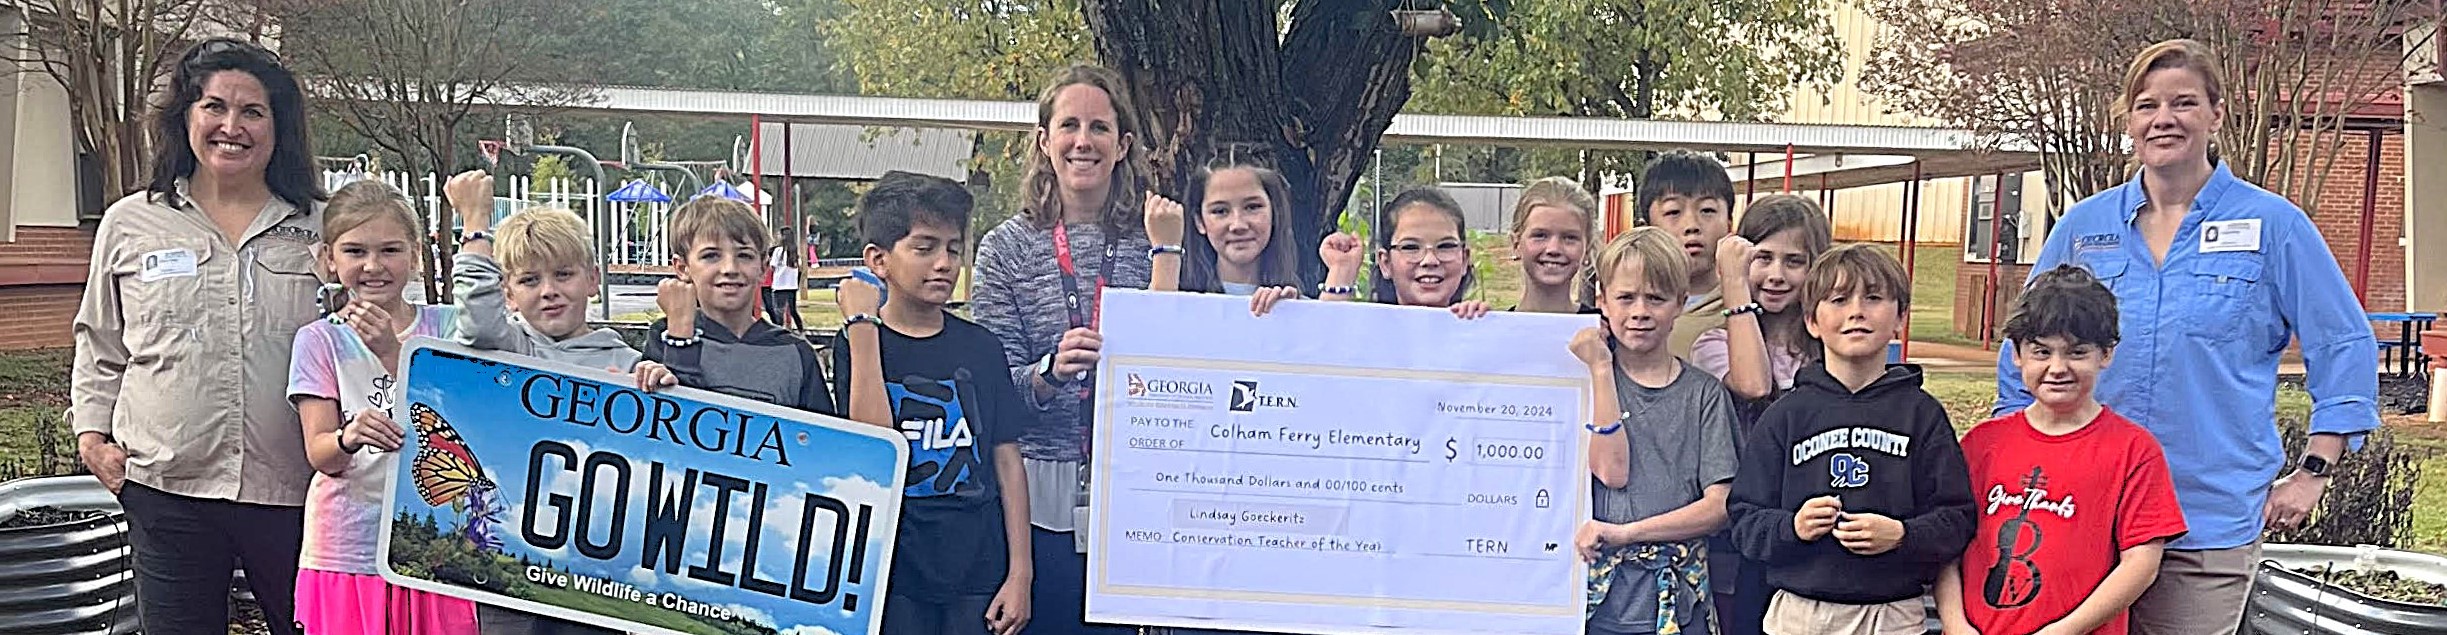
(1246,398)
(1169,391)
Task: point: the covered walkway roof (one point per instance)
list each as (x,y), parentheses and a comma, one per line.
(1842,155)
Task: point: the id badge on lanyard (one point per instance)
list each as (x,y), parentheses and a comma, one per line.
(1084,313)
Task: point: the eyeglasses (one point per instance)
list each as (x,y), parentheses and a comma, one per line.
(219,45)
(1415,252)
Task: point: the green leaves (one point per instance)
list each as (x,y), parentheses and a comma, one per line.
(1736,59)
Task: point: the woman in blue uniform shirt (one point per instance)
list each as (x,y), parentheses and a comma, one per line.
(2213,277)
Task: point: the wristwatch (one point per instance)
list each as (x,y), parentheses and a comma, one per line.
(466,237)
(2316,465)
(1045,371)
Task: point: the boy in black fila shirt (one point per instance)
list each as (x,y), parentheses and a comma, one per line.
(961,563)
(1852,488)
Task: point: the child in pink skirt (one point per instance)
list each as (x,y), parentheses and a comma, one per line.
(342,379)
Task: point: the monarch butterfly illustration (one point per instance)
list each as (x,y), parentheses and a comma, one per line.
(446,473)
(445,470)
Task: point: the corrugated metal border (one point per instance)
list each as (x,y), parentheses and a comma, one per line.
(2287,603)
(70,578)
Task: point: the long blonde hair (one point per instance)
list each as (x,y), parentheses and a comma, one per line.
(1043,205)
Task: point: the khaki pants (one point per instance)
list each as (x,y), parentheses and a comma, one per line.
(2197,593)
(1789,614)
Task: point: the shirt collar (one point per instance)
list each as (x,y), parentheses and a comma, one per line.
(2221,180)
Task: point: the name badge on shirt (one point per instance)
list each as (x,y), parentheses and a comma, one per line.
(167,263)
(2230,235)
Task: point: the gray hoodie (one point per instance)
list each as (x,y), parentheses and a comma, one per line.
(486,324)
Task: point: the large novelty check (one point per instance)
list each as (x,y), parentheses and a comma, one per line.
(556,490)
(1337,468)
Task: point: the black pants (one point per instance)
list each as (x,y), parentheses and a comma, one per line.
(1060,594)
(184,547)
(1744,612)
(936,614)
(783,305)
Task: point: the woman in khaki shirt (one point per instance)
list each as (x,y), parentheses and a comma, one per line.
(196,289)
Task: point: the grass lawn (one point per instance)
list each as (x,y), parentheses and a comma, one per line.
(33,392)
(1933,268)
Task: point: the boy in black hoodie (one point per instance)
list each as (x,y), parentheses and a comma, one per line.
(722,247)
(1853,490)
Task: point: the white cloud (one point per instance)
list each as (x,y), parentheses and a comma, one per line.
(810,630)
(855,489)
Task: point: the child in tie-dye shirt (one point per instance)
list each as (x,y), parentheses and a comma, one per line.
(343,379)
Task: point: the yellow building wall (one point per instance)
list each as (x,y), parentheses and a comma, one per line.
(1876,213)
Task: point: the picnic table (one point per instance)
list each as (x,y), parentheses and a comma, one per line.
(2405,347)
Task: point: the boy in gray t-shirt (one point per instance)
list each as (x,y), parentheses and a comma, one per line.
(1664,464)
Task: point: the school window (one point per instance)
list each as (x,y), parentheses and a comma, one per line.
(1984,224)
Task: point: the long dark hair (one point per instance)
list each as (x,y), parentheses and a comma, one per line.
(290,175)
(1277,266)
(1434,199)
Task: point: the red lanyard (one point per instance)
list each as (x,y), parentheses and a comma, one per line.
(1087,315)
(1082,316)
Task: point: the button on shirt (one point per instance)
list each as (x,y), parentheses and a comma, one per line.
(182,347)
(2202,336)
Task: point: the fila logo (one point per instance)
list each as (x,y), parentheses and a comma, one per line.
(932,434)
(1246,398)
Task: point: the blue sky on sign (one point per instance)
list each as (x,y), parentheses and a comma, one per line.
(483,404)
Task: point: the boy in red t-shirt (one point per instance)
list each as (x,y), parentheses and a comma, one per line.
(2075,503)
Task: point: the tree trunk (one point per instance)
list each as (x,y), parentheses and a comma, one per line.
(1206,79)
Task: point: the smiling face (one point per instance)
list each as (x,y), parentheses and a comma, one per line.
(2172,119)
(1427,258)
(725,272)
(1082,138)
(1856,320)
(230,128)
(923,266)
(2059,371)
(1777,269)
(553,299)
(1553,245)
(375,261)
(1237,217)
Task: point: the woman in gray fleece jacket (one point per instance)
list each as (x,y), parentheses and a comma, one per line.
(1038,279)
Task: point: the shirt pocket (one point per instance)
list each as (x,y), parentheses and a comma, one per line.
(281,285)
(159,314)
(2109,268)
(2224,296)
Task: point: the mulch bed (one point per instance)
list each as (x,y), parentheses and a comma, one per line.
(40,516)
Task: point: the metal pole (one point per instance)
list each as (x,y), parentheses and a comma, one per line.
(1788,168)
(687,180)
(790,198)
(1911,229)
(1750,178)
(2362,239)
(1996,244)
(756,148)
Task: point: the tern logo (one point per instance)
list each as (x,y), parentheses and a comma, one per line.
(1246,398)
